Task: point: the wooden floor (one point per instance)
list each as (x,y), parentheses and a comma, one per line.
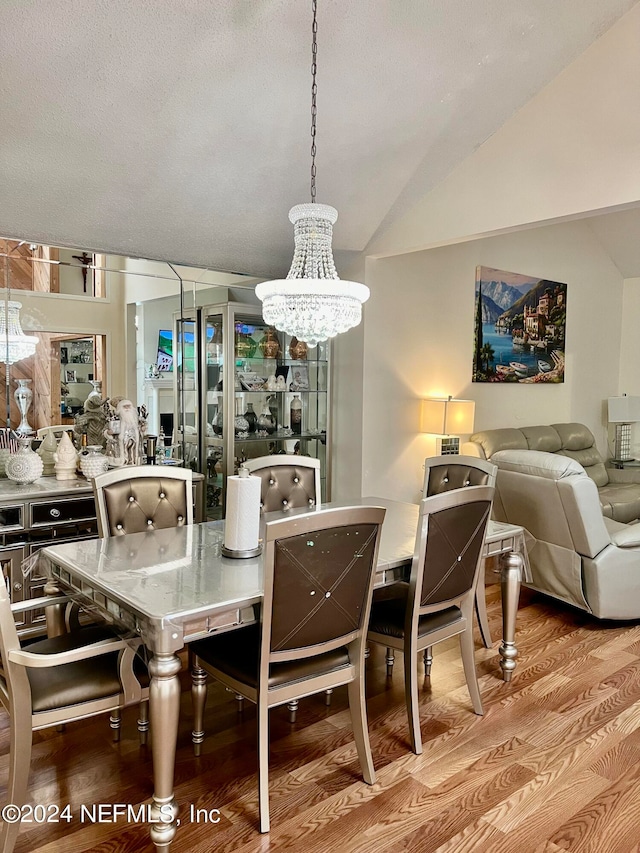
(553,765)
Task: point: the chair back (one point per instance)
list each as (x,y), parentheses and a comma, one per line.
(288,482)
(318,581)
(15,691)
(57,430)
(444,473)
(450,539)
(136,498)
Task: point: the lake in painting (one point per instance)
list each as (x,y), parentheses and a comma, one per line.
(519,330)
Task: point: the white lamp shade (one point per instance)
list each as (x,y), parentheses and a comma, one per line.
(447,417)
(623,410)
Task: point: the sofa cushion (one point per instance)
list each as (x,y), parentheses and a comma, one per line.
(492,440)
(544,438)
(574,436)
(621,501)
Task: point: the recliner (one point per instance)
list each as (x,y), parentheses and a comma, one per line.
(576,554)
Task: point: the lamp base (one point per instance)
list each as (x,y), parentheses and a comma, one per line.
(448,445)
(622,443)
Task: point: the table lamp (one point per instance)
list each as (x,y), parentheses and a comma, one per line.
(623,411)
(447,419)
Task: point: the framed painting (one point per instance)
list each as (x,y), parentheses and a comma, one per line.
(519,329)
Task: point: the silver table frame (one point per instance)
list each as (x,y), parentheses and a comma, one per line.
(171,587)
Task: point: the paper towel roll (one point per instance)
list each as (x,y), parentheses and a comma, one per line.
(242,520)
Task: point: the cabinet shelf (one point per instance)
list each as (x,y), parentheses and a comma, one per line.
(216,341)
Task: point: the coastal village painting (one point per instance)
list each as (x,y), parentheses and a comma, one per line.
(519,328)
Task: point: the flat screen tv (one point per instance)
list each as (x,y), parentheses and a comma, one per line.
(165,358)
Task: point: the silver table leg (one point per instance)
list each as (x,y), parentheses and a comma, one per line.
(164,711)
(511,565)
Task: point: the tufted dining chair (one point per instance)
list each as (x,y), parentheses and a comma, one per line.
(288,481)
(318,579)
(444,473)
(56,681)
(136,498)
(437,603)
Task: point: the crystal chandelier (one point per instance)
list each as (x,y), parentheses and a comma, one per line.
(312,303)
(14,344)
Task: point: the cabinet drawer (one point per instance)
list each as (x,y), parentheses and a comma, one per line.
(61,511)
(12,518)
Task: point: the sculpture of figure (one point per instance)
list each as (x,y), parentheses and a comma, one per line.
(92,421)
(66,459)
(125,426)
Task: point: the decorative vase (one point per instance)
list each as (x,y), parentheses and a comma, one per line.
(245,345)
(251,417)
(25,466)
(240,423)
(93,462)
(298,349)
(295,412)
(96,391)
(218,422)
(23,396)
(266,421)
(270,344)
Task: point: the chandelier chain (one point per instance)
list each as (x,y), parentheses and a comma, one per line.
(314,92)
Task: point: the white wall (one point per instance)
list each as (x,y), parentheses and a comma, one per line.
(572,148)
(418,341)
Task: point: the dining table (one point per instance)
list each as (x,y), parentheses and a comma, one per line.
(172,586)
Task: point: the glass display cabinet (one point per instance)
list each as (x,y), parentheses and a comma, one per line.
(246,390)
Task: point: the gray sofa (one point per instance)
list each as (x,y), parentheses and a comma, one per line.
(618,490)
(576,554)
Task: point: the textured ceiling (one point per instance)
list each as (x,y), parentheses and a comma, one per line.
(179,129)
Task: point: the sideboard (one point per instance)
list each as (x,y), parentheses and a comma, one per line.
(47,512)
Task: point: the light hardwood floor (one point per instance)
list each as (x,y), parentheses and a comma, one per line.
(552,766)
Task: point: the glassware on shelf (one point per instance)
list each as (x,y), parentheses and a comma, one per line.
(251,417)
(298,349)
(295,415)
(270,344)
(266,421)
(217,422)
(240,423)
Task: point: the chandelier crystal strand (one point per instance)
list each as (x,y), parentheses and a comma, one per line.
(312,303)
(15,344)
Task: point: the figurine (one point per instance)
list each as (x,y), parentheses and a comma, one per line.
(92,421)
(47,452)
(126,426)
(272,383)
(66,459)
(281,384)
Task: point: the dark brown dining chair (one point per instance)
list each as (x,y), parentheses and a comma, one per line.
(437,603)
(318,579)
(57,681)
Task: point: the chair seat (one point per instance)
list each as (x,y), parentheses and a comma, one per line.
(236,654)
(82,681)
(388,618)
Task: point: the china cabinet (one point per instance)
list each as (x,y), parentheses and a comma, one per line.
(246,390)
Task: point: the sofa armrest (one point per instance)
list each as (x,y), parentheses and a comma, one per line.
(623,475)
(628,538)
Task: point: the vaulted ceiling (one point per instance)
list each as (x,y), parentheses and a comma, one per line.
(180,130)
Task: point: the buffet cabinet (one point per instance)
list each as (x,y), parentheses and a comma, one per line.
(245,390)
(33,516)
